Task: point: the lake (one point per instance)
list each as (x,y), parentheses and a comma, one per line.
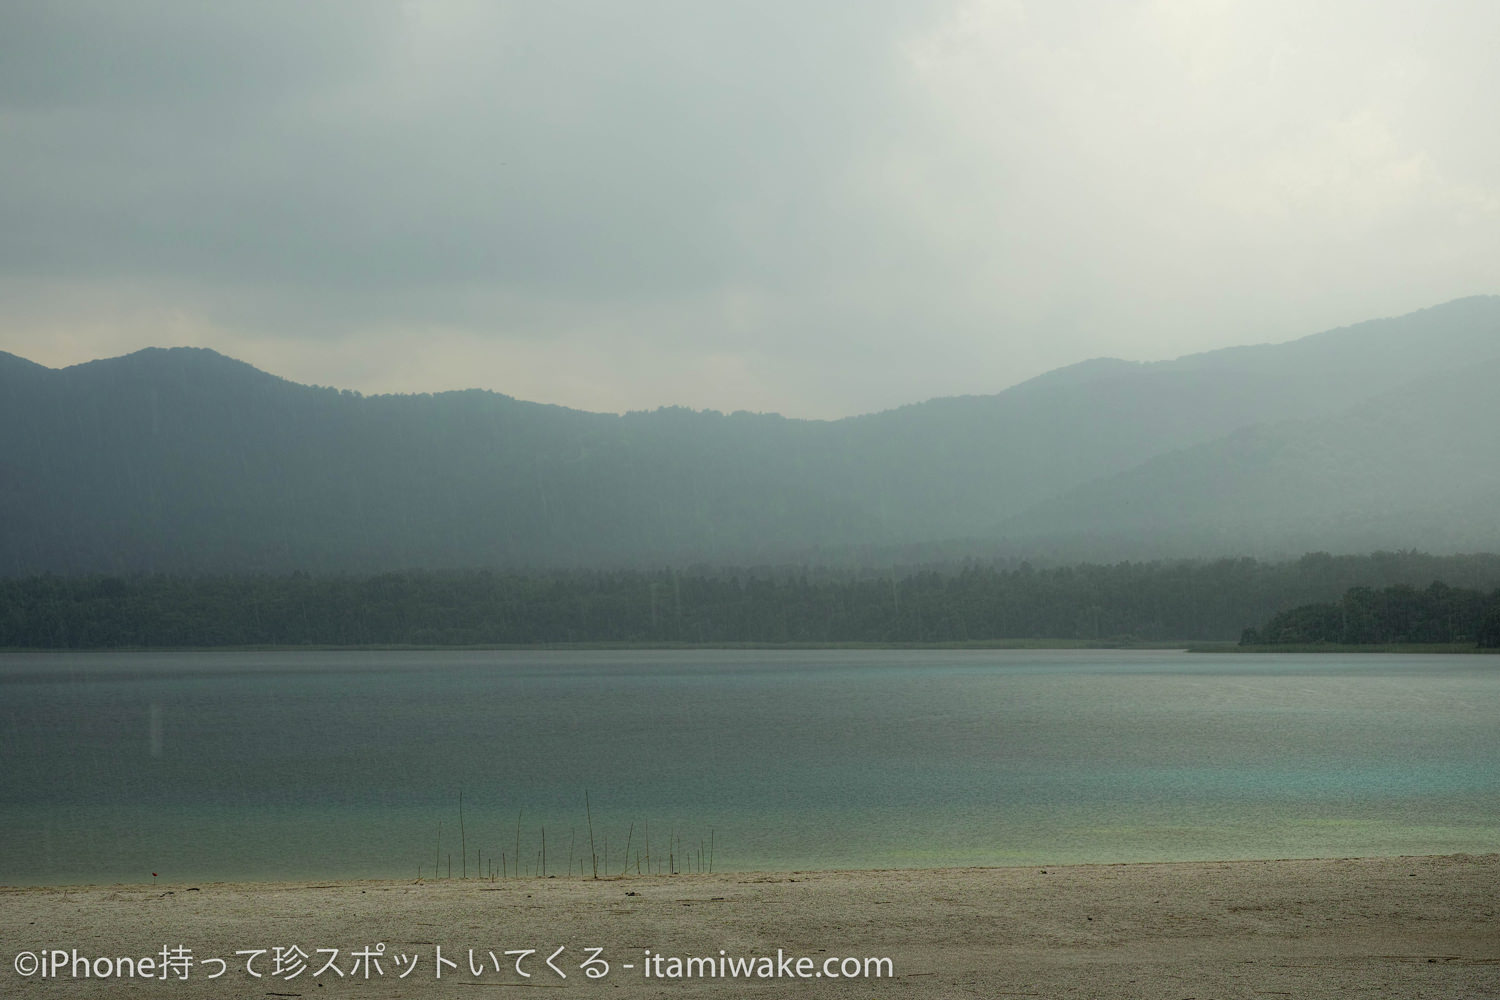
(323,765)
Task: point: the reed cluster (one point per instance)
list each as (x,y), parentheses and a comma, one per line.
(525,856)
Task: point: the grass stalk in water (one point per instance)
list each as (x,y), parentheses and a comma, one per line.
(518,840)
(590,816)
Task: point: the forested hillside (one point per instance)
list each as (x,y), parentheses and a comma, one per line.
(184,461)
(1421,462)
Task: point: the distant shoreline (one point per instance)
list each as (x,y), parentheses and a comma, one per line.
(1330,647)
(644,646)
(1158,605)
(1183,646)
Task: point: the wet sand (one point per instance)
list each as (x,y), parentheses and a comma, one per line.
(1372,927)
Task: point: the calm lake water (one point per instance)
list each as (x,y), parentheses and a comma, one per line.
(208,766)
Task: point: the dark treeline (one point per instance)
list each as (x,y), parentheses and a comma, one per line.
(1399,614)
(1207,600)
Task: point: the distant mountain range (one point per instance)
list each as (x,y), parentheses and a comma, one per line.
(1379,435)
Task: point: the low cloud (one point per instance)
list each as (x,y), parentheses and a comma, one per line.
(818,210)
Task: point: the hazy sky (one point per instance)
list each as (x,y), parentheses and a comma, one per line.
(818,208)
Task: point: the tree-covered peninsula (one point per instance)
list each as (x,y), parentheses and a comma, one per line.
(1392,616)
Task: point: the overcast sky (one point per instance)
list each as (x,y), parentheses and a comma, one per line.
(816,208)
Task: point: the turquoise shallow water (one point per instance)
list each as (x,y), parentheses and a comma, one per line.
(205,766)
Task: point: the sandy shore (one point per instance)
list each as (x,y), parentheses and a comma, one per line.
(1374,927)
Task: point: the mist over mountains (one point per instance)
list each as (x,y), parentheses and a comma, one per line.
(1379,435)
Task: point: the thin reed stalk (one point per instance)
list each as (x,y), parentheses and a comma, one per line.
(590,816)
(518,840)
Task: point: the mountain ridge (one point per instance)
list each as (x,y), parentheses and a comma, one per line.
(184,459)
(1422,454)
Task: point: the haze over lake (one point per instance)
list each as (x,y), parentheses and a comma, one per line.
(206,766)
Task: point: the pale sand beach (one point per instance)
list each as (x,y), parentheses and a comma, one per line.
(1405,928)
